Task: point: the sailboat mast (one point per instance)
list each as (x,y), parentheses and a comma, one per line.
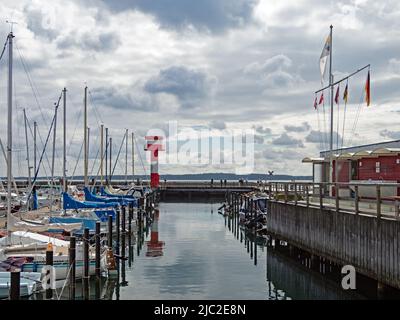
(126,156)
(34,146)
(110,173)
(27,151)
(87,151)
(53,157)
(106,157)
(85,164)
(101,152)
(331,87)
(9,126)
(65,140)
(133,157)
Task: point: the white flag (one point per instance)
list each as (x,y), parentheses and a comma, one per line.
(324,56)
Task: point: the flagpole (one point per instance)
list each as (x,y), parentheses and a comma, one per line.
(331,133)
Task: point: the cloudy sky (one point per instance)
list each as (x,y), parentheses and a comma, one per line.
(214,65)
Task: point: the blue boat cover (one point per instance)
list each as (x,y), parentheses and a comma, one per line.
(91,197)
(126,198)
(71,203)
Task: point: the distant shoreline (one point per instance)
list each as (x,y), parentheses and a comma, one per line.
(195,177)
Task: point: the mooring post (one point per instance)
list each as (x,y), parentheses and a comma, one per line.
(49,264)
(123,228)
(110,232)
(286,192)
(337,199)
(72,266)
(118,227)
(378,201)
(86,264)
(307,196)
(356,200)
(255,246)
(321,199)
(15,284)
(98,249)
(269,191)
(130,215)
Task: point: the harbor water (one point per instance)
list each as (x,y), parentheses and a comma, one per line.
(192,252)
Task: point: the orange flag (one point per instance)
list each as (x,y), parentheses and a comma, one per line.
(368,91)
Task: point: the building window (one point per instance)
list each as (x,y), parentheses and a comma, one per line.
(360,164)
(378,167)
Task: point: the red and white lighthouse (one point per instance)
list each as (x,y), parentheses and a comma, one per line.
(154,145)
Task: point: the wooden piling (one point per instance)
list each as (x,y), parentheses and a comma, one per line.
(98,271)
(86,264)
(356,200)
(123,229)
(117,226)
(110,232)
(378,201)
(72,266)
(15,285)
(49,262)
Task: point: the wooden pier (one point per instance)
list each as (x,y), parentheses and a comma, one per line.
(360,231)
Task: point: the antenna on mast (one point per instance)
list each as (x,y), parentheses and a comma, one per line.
(11,24)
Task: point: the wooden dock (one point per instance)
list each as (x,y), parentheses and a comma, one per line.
(330,227)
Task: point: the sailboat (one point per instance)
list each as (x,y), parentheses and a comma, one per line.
(25,250)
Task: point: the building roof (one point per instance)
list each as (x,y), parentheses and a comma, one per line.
(395,144)
(313,160)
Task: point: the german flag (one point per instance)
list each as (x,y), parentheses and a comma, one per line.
(368,90)
(346,93)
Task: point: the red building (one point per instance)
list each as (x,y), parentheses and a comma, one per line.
(374,163)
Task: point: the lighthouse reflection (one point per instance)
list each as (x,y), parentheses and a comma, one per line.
(155,246)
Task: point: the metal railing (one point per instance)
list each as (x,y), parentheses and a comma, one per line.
(375,199)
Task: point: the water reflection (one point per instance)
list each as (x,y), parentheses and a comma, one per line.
(155,246)
(207,256)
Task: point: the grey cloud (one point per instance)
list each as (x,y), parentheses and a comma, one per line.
(38,23)
(262,130)
(270,65)
(305,126)
(111,97)
(90,41)
(321,137)
(275,72)
(191,87)
(395,135)
(286,140)
(204,15)
(280,154)
(217,124)
(258,139)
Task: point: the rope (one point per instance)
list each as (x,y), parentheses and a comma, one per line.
(119,151)
(76,165)
(41,158)
(141,160)
(4,48)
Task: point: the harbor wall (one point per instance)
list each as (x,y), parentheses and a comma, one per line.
(369,244)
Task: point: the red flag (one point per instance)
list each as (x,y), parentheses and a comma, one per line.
(315,103)
(321,99)
(368,91)
(337,96)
